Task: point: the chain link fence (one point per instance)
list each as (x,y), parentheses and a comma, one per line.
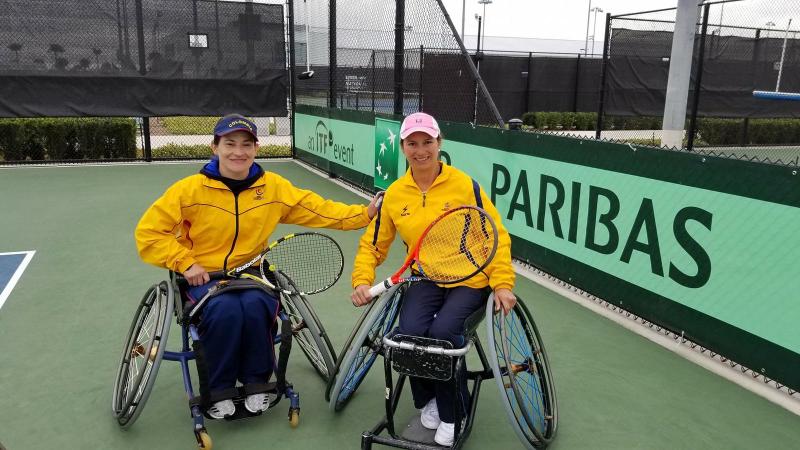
(388,56)
(66,67)
(740,47)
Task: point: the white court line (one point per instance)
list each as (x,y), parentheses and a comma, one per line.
(17,273)
(729,370)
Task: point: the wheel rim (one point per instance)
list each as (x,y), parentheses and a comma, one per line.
(142,354)
(379,322)
(526,373)
(522,374)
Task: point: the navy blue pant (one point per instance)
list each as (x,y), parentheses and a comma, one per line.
(237,330)
(439,313)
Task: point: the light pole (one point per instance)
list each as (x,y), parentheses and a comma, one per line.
(484,3)
(594,25)
(769,26)
(463,15)
(478,17)
(588,18)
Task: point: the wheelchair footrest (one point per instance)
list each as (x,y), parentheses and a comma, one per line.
(241,411)
(414,431)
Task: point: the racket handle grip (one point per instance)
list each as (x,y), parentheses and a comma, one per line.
(380,288)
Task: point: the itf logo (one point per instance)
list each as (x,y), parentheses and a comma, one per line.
(387,152)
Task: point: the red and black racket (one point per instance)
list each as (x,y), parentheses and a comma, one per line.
(455,247)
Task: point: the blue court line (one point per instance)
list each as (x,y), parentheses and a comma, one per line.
(12,264)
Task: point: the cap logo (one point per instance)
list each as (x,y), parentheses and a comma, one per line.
(240,122)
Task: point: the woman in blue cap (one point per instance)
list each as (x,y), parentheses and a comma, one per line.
(222,218)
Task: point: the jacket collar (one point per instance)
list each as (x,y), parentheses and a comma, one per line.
(213,177)
(444,174)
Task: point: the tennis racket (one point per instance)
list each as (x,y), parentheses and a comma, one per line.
(455,247)
(313,261)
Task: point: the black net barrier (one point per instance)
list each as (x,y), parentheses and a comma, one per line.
(171,57)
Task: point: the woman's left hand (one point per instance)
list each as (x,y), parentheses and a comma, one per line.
(375,204)
(505,299)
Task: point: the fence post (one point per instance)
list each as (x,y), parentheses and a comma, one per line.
(577,84)
(698,84)
(603,73)
(332,53)
(373,81)
(292,71)
(399,52)
(528,84)
(421,67)
(146,148)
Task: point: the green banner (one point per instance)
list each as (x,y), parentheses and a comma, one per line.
(720,254)
(345,143)
(387,152)
(700,245)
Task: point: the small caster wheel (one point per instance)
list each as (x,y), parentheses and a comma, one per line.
(203,440)
(294,418)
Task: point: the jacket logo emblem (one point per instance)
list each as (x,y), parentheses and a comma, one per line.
(446,206)
(259,194)
(404,211)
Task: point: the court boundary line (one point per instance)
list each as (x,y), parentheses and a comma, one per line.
(729,370)
(17,273)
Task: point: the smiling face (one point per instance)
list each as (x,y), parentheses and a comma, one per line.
(236,152)
(421,151)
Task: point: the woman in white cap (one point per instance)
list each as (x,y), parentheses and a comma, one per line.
(410,204)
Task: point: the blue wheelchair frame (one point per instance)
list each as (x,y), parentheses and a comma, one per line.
(128,401)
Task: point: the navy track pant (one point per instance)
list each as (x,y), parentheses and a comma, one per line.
(439,313)
(237,330)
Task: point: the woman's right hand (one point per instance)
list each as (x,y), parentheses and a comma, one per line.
(360,296)
(196,275)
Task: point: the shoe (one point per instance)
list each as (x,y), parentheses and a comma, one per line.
(444,434)
(429,415)
(256,403)
(222,409)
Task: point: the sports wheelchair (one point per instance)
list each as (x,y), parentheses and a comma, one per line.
(145,348)
(516,360)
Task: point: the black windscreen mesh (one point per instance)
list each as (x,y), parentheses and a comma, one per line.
(99,57)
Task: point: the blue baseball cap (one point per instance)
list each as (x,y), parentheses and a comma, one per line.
(235,122)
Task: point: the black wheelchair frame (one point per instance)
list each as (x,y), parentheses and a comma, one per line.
(146,344)
(517,361)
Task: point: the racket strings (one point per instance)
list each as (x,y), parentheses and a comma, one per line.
(312,261)
(458,246)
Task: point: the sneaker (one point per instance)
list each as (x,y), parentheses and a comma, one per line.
(444,434)
(222,409)
(256,403)
(429,415)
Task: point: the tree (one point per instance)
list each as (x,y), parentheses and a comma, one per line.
(56,50)
(15,47)
(97,52)
(84,63)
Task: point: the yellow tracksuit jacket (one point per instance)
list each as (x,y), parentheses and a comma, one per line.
(199,220)
(408,211)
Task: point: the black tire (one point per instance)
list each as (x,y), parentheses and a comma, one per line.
(142,354)
(363,346)
(307,331)
(522,372)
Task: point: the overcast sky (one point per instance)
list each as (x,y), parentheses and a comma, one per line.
(566,19)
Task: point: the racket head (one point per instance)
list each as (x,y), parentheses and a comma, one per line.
(313,261)
(457,245)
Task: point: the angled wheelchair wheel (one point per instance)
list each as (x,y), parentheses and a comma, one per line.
(141,357)
(307,330)
(363,346)
(522,371)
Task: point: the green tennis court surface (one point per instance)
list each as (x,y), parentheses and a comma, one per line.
(63,325)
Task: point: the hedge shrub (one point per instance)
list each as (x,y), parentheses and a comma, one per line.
(203,151)
(67,138)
